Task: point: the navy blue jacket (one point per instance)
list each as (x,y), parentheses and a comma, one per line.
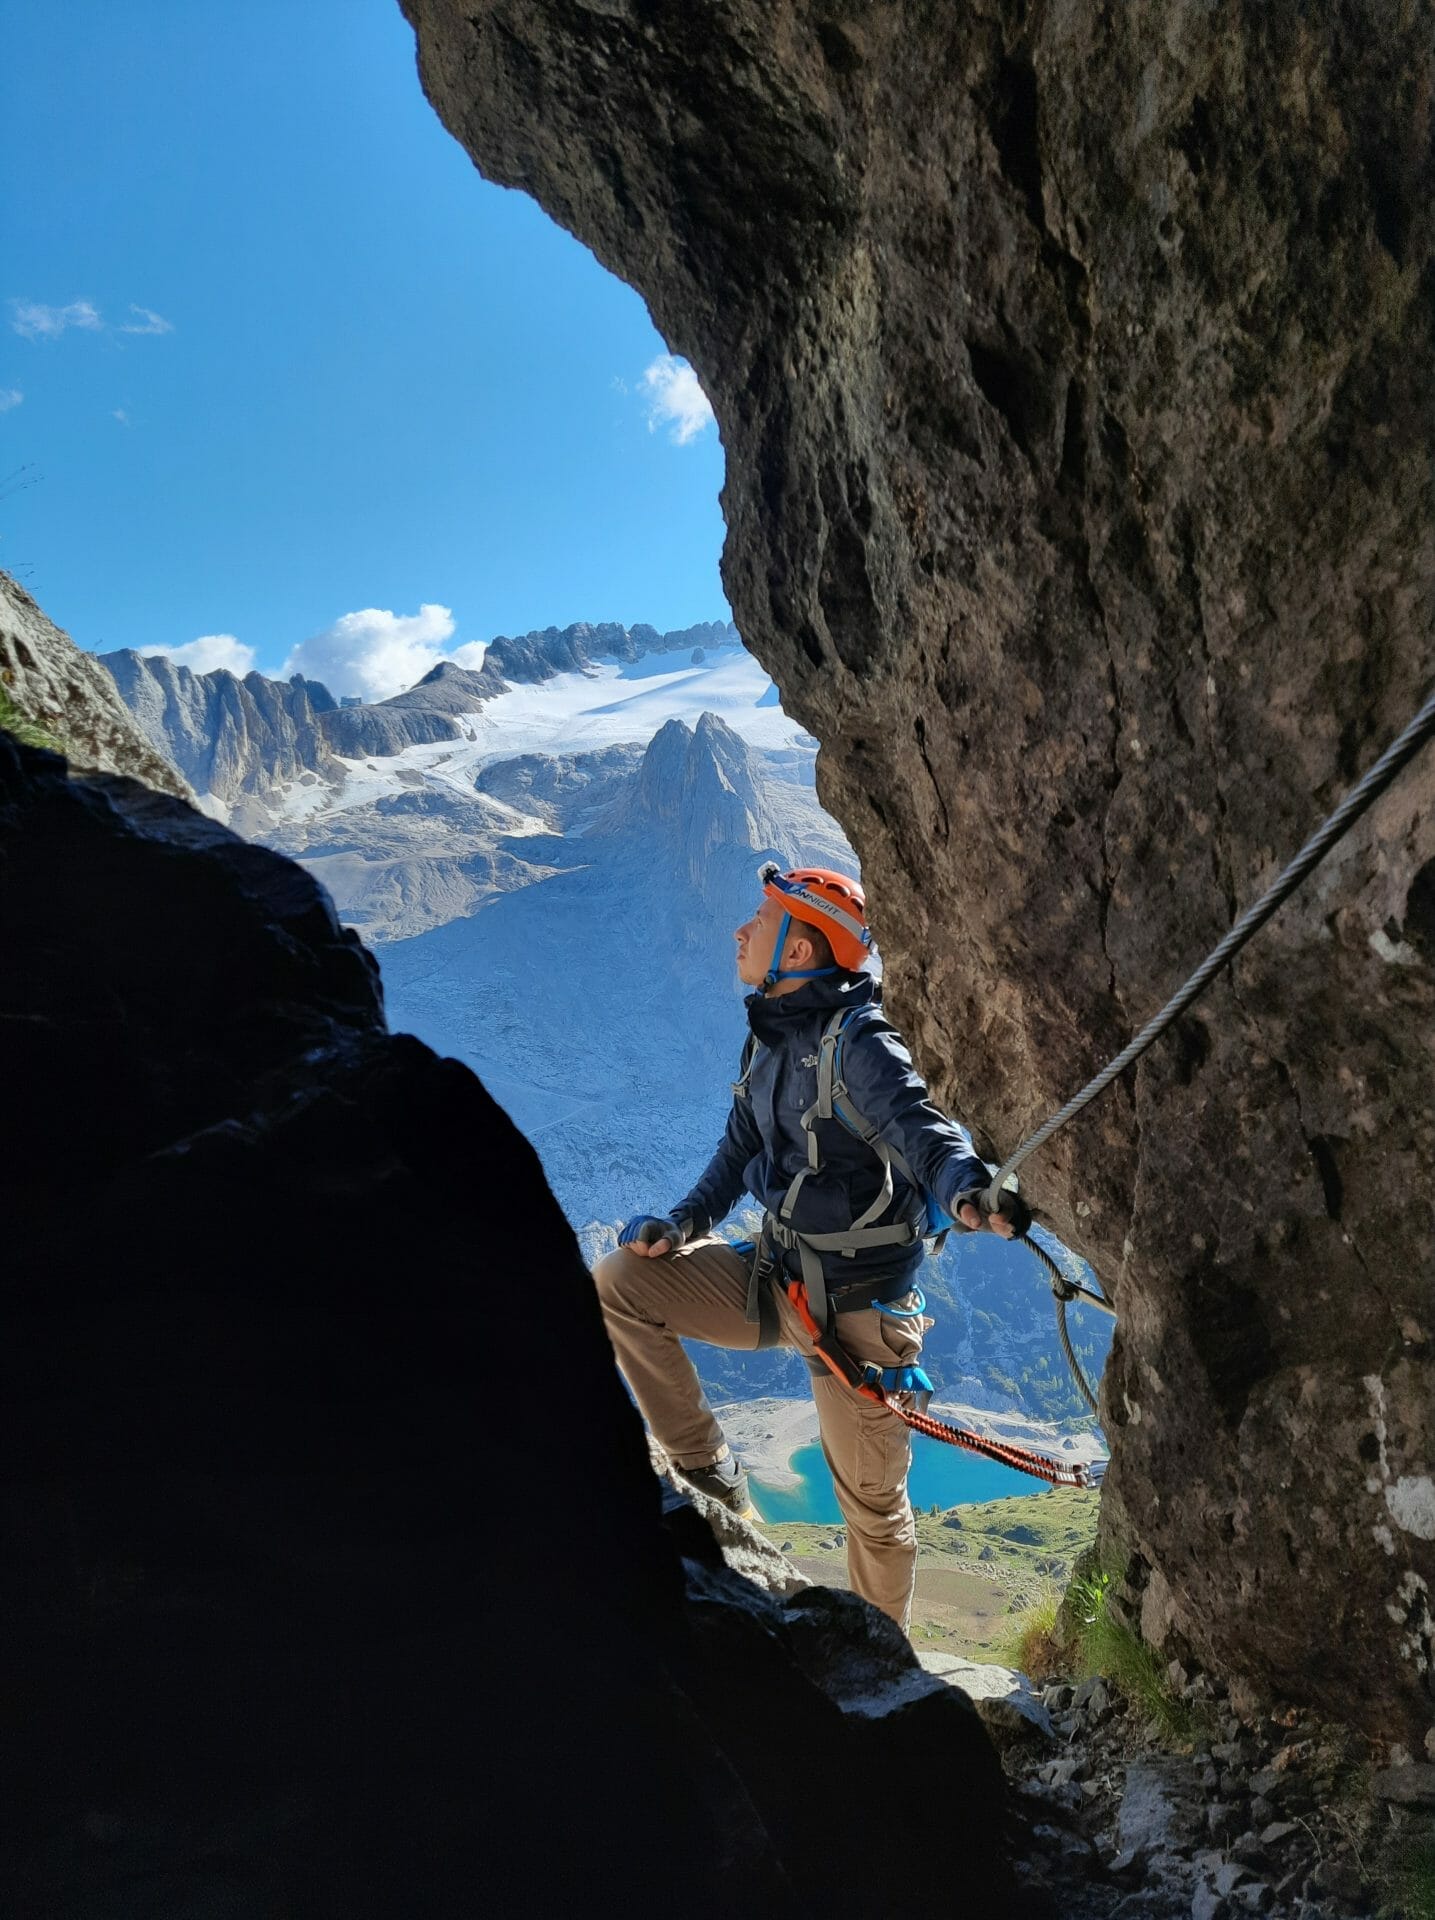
(765,1148)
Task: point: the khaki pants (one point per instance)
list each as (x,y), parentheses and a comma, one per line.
(699,1292)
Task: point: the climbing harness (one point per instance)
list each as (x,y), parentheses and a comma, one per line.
(818,1306)
(871,1383)
(1357,802)
(919,1218)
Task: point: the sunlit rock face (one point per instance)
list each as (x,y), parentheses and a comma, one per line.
(62,690)
(1074,367)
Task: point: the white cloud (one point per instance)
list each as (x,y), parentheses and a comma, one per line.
(35,322)
(148,322)
(209,651)
(372,653)
(375,653)
(118,413)
(10,397)
(675,400)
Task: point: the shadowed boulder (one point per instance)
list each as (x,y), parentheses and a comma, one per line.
(336,1579)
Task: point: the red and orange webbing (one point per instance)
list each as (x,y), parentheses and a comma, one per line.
(1059,1473)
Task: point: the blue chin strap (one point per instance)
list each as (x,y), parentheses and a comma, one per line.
(776,972)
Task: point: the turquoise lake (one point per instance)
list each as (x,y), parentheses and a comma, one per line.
(941,1477)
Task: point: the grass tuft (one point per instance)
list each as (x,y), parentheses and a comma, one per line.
(1412,1885)
(1108,1647)
(13,722)
(1031,1646)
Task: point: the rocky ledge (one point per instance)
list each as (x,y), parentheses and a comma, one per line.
(1275,1814)
(68,694)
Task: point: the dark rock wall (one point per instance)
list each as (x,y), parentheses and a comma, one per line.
(335,1582)
(1074,366)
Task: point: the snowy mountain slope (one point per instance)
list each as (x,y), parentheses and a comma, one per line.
(606,704)
(551,854)
(601,1004)
(408,841)
(259,751)
(391,804)
(601,1007)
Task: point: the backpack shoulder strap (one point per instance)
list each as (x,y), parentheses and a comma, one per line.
(744,1073)
(845,1109)
(828,1084)
(829,1105)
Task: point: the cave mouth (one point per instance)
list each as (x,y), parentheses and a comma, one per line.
(530,393)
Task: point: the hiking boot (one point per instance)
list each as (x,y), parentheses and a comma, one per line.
(724,1480)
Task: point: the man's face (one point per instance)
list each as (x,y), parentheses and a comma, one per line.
(755,939)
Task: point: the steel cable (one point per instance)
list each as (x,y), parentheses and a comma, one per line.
(1358,801)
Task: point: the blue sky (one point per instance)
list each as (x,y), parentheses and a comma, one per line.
(281,356)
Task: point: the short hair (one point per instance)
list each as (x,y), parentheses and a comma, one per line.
(822,954)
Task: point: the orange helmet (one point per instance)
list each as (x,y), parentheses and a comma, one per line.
(829,901)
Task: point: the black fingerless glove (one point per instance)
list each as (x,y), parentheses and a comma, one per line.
(1009,1205)
(646,1229)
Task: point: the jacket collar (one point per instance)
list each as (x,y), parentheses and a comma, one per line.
(770,1020)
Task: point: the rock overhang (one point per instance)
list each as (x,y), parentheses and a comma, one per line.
(1077,422)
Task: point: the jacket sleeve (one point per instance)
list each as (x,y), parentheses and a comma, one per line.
(887,1089)
(721,1185)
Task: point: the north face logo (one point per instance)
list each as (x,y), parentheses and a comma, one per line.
(809,1060)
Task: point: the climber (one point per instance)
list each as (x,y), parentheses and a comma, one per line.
(835,1135)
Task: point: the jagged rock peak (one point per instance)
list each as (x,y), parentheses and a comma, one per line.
(230,737)
(320,698)
(448,688)
(551,650)
(445,670)
(704,785)
(660,777)
(722,770)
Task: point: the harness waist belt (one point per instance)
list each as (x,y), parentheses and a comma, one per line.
(842,1296)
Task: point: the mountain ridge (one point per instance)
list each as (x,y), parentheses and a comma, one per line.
(240,738)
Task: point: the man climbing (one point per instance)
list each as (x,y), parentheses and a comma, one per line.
(835,1136)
